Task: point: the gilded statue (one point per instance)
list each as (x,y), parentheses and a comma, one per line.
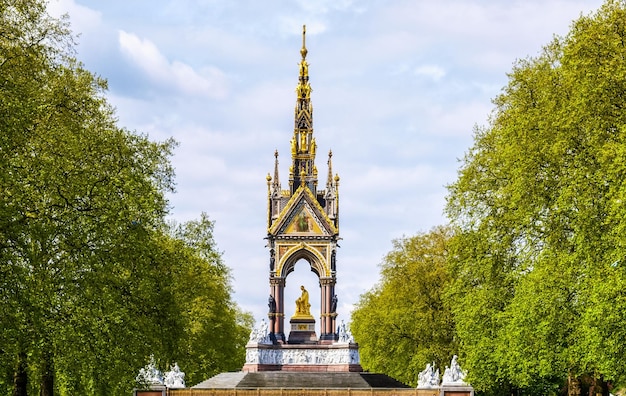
(302,141)
(303,308)
(293,147)
(304,92)
(304,68)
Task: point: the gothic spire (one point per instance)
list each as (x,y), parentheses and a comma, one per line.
(276,183)
(303,143)
(329,181)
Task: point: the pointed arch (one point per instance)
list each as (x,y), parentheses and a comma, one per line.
(302,251)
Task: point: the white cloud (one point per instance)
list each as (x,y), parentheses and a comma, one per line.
(432,72)
(84,19)
(177,75)
(325,6)
(457,120)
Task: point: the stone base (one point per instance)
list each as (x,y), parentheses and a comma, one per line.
(273,383)
(426,392)
(450,390)
(302,357)
(302,331)
(154,390)
(456,390)
(328,339)
(320,368)
(278,338)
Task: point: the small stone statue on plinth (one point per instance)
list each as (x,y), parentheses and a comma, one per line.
(149,375)
(333,304)
(150,378)
(260,335)
(453,375)
(174,379)
(344,334)
(429,378)
(271,303)
(454,380)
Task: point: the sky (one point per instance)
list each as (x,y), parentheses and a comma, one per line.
(398,87)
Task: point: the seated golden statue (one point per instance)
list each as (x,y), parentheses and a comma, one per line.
(303,308)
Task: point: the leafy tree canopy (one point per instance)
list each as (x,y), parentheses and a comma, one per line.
(538,262)
(403,323)
(92,279)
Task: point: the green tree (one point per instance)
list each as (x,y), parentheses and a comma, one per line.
(537,257)
(75,188)
(403,323)
(92,280)
(215,331)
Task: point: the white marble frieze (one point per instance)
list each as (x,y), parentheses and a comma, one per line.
(302,356)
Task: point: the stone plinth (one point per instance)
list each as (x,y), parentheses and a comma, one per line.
(426,392)
(302,357)
(302,331)
(456,390)
(153,391)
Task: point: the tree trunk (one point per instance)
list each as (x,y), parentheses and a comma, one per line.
(20,377)
(47,377)
(598,387)
(573,385)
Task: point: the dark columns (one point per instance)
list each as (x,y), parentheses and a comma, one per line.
(277,319)
(327,315)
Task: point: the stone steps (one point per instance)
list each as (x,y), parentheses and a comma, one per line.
(300,380)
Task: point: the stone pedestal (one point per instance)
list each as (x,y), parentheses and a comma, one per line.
(302,331)
(426,392)
(456,390)
(154,390)
(303,357)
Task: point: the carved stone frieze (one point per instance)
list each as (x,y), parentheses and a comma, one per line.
(302,356)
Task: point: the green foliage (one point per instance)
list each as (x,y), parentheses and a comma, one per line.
(92,281)
(538,205)
(215,331)
(403,323)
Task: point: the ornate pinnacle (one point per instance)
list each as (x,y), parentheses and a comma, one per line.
(276,179)
(304,66)
(303,51)
(303,144)
(329,181)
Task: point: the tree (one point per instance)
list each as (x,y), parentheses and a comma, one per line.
(537,256)
(215,330)
(403,323)
(92,280)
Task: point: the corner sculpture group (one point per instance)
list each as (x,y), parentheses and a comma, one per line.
(153,378)
(452,376)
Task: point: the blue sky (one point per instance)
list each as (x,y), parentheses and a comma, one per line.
(397,88)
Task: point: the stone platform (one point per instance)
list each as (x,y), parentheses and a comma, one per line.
(302,358)
(300,380)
